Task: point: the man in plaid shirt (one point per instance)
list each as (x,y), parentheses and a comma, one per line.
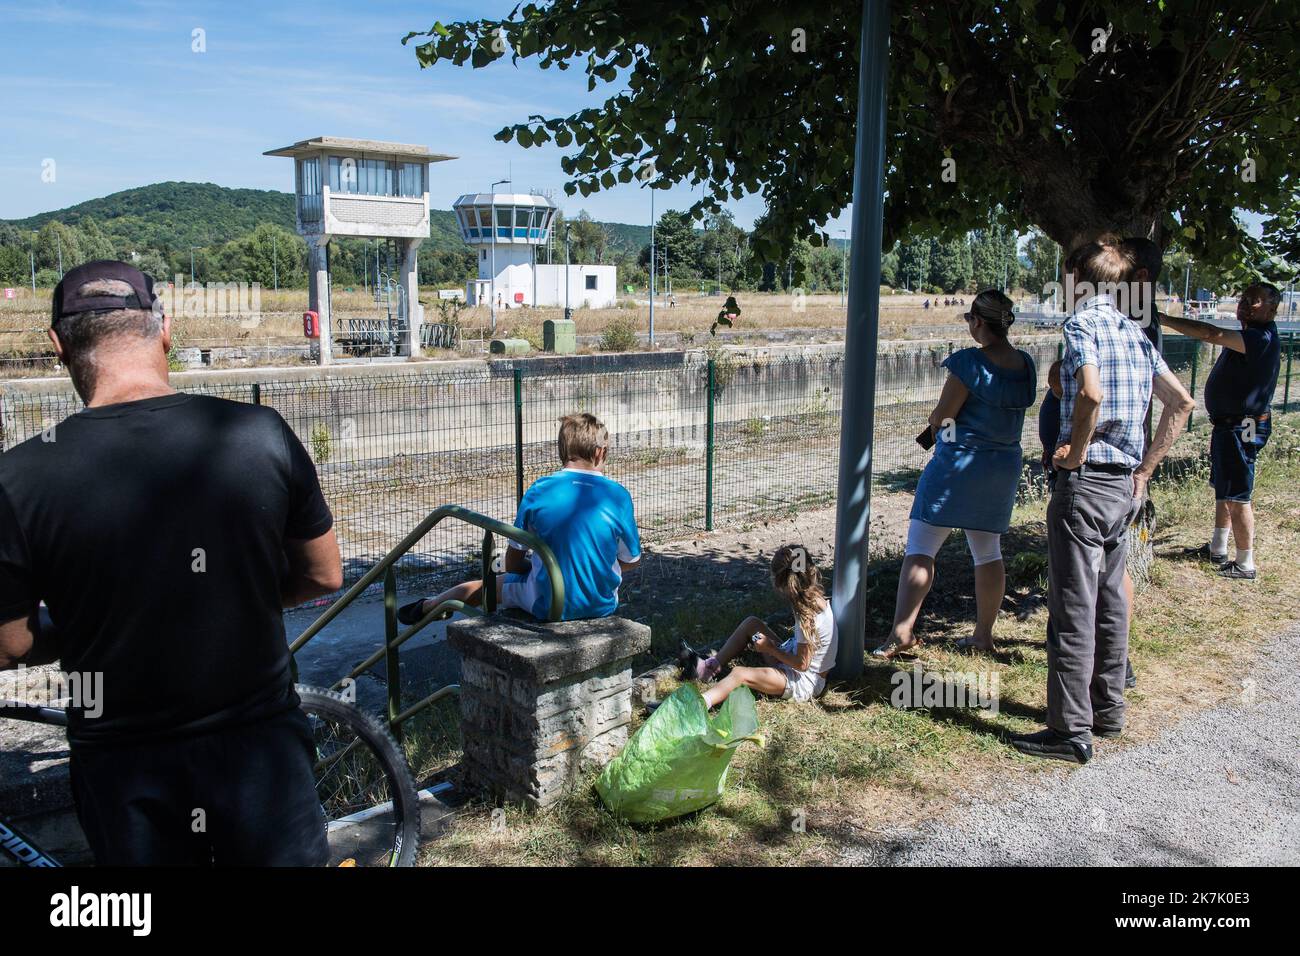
(1103,464)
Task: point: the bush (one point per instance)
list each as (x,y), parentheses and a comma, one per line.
(620,335)
(320,443)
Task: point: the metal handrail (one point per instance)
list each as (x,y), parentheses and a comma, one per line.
(393,639)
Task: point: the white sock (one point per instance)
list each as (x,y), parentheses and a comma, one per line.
(1219,542)
(1246,560)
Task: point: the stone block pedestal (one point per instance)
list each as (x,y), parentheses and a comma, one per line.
(542,703)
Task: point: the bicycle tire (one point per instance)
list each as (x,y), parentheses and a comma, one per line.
(388,755)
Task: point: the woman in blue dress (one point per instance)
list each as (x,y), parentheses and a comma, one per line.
(971,481)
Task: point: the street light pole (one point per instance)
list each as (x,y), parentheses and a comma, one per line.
(568,313)
(654,266)
(492,286)
(857,417)
(844,265)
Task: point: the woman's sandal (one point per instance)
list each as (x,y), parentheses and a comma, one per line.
(968,645)
(892,649)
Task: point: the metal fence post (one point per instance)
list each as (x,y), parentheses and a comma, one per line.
(519,435)
(1196,353)
(708,451)
(257,393)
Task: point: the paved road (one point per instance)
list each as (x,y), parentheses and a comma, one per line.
(1220,788)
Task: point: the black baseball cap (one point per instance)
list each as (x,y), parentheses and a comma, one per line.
(68,302)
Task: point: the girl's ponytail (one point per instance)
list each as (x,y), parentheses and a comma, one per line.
(797,579)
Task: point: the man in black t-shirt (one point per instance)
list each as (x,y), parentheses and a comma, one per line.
(1238,399)
(165,533)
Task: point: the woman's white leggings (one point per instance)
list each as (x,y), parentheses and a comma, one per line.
(927,539)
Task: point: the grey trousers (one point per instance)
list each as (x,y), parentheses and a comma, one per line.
(1087,631)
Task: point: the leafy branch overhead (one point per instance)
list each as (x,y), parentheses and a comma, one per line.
(1078,116)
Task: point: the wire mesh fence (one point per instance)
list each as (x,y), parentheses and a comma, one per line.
(700,443)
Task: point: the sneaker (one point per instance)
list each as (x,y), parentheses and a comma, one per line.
(1205,554)
(409,614)
(1052,746)
(1130,679)
(1234,570)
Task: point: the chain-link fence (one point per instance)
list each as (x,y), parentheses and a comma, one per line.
(700,443)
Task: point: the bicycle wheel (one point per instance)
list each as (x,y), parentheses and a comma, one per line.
(372,809)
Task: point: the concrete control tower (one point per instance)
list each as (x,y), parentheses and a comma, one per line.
(367,189)
(506,230)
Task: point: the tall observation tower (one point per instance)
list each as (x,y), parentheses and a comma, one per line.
(361,188)
(507,232)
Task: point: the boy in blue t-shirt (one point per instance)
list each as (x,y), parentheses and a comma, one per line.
(585,519)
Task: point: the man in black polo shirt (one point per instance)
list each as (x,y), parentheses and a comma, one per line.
(165,533)
(1238,397)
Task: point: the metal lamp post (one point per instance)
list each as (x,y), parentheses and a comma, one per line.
(844,265)
(492,288)
(568,313)
(857,420)
(654,266)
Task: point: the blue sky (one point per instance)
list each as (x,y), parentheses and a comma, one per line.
(113,93)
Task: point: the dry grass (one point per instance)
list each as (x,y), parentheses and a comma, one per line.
(853,765)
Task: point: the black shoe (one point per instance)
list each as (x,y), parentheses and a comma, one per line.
(1205,554)
(409,614)
(1130,679)
(688,663)
(1234,570)
(1109,733)
(1053,746)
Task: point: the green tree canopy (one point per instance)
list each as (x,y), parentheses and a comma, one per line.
(1152,117)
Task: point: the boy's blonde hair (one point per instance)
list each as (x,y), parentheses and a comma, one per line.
(798,580)
(1104,261)
(580,435)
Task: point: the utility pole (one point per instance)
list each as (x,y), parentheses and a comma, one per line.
(59,241)
(844,265)
(492,288)
(192,265)
(32,254)
(568,313)
(857,413)
(275,262)
(1187,281)
(654,266)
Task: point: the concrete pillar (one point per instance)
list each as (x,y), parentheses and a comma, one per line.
(543,703)
(411,286)
(318,294)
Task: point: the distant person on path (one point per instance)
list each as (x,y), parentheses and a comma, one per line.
(971,481)
(797,667)
(1238,399)
(165,532)
(1107,375)
(585,518)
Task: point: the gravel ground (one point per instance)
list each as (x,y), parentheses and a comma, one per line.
(1220,788)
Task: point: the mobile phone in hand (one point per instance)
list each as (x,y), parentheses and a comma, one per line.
(926,438)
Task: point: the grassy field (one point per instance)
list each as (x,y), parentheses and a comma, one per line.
(23,321)
(852,765)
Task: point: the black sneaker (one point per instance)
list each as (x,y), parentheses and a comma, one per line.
(409,614)
(1109,733)
(1205,554)
(1053,746)
(1130,679)
(1234,570)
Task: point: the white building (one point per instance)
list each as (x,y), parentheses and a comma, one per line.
(508,270)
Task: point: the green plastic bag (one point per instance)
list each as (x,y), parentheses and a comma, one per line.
(677,762)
